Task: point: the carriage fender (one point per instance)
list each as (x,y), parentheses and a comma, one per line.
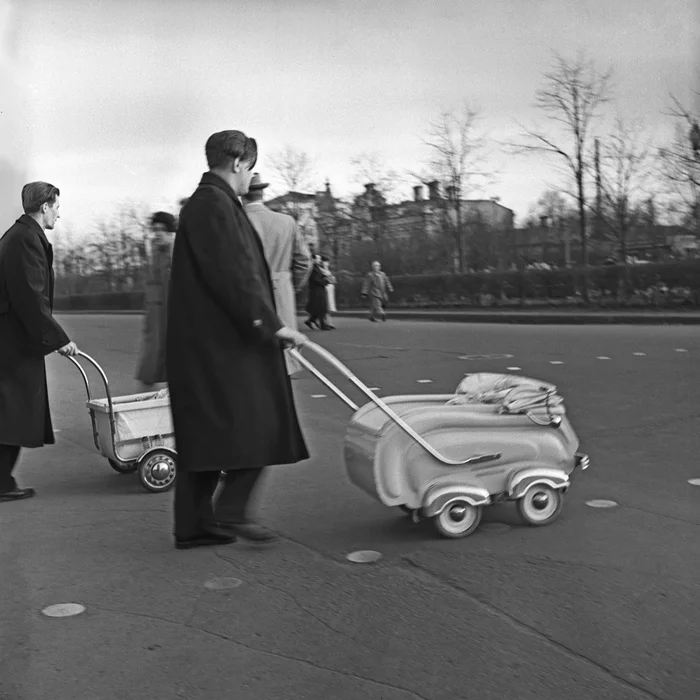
(521,482)
(437,498)
(155,448)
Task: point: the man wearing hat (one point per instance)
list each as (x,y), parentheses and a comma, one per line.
(286,252)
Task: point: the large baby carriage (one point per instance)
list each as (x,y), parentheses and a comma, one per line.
(445,457)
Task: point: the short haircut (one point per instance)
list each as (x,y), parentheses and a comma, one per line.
(168,220)
(225,146)
(35,194)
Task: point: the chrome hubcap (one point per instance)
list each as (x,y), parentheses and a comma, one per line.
(540,501)
(458,513)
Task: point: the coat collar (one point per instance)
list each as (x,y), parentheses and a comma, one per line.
(210,178)
(32,224)
(254,205)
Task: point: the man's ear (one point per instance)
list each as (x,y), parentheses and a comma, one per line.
(236,167)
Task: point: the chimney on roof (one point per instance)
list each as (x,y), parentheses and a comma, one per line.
(451,192)
(418,193)
(434,189)
(369,187)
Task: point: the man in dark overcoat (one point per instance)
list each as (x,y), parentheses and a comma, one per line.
(28,332)
(231,398)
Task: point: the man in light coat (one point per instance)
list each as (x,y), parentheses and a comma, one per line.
(377,287)
(286,252)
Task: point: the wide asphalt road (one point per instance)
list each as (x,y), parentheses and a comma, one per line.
(603,603)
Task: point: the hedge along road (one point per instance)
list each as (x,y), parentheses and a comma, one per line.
(599,604)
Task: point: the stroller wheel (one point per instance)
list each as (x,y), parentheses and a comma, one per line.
(458,519)
(540,505)
(157,471)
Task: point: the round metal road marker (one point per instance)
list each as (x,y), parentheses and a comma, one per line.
(602,357)
(694,482)
(374,388)
(424,381)
(318,396)
(63,610)
(602,503)
(639,354)
(556,362)
(681,350)
(514,369)
(364,556)
(222,584)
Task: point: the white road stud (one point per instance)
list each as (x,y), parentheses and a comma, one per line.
(602,503)
(364,556)
(319,396)
(63,610)
(424,381)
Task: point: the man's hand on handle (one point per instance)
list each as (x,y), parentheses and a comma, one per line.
(291,338)
(69,350)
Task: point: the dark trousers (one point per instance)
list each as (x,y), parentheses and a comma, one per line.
(9,454)
(195,510)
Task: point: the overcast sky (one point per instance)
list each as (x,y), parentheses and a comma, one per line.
(112,100)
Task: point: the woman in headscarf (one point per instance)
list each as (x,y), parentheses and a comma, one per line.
(152,368)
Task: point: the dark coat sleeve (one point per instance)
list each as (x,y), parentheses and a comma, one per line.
(27,282)
(229,264)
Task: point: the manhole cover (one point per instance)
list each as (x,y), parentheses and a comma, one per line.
(601,503)
(365,556)
(222,584)
(63,610)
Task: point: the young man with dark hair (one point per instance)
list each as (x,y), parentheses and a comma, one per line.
(231,398)
(28,332)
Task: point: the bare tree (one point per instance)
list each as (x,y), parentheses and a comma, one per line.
(626,174)
(369,167)
(294,168)
(680,164)
(570,95)
(457,158)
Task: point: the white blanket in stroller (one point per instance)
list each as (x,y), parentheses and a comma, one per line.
(513,394)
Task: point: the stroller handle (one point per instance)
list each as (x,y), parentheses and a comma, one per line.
(333,361)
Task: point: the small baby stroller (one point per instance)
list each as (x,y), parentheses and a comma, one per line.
(135,433)
(445,457)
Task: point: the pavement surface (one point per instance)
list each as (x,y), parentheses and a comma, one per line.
(603,603)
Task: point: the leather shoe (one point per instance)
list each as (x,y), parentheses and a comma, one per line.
(251,532)
(17,494)
(206,539)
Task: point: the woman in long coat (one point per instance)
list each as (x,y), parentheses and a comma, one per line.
(317,304)
(152,367)
(231,398)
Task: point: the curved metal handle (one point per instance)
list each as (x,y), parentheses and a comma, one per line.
(110,404)
(332,360)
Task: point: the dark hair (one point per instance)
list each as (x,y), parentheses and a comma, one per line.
(325,258)
(35,194)
(168,220)
(225,146)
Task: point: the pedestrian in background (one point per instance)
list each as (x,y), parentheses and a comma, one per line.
(287,255)
(28,332)
(330,289)
(317,304)
(152,367)
(377,287)
(230,395)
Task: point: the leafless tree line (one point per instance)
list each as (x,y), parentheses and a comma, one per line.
(609,179)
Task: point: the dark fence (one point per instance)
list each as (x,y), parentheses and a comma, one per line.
(674,284)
